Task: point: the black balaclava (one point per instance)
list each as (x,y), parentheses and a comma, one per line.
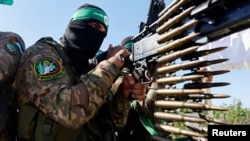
(81,40)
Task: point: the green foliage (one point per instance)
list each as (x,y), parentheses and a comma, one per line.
(235,115)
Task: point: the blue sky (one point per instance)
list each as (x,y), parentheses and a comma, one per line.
(34,19)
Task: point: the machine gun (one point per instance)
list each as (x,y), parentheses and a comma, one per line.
(168,43)
(189,22)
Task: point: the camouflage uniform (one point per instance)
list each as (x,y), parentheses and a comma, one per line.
(46,79)
(11,49)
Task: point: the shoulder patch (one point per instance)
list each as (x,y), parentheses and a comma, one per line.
(14,47)
(48,68)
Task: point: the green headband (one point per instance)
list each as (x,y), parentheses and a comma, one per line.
(92,13)
(99,52)
(129,45)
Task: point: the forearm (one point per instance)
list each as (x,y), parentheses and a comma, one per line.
(119,108)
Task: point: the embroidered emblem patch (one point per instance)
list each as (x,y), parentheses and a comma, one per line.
(48,68)
(14,47)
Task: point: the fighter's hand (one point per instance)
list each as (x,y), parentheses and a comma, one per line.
(131,88)
(115,53)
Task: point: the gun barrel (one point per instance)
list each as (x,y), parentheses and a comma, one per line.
(174,92)
(175,32)
(175,130)
(172,56)
(180,104)
(177,79)
(176,117)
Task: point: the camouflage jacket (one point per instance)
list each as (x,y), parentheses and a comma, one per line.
(11,49)
(46,80)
